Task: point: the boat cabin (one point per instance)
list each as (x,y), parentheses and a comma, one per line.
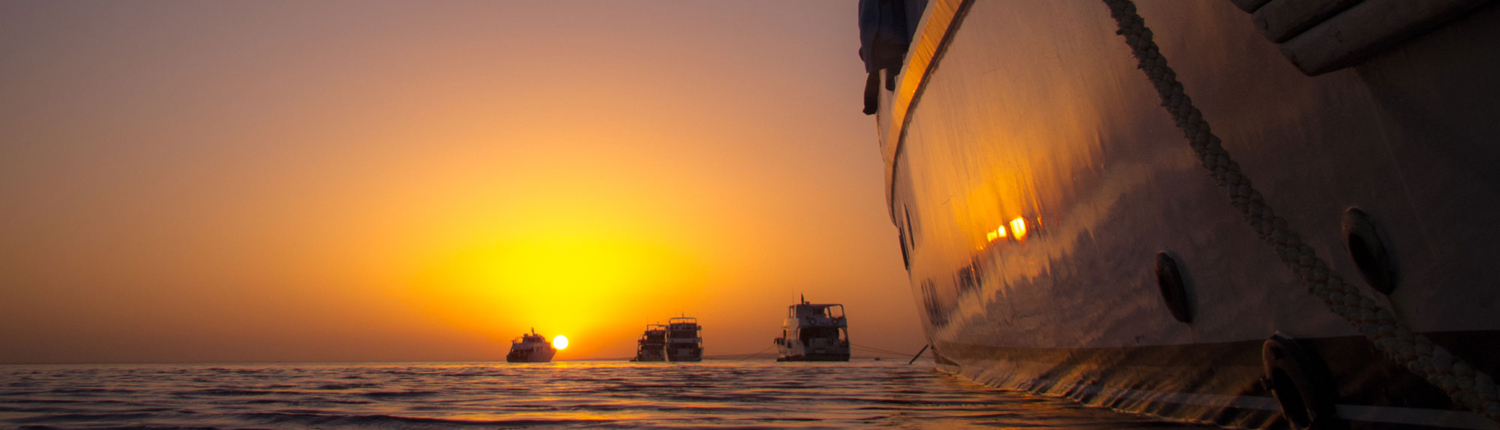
(652,344)
(814,332)
(530,348)
(683,340)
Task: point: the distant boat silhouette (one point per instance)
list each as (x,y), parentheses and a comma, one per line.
(684,341)
(814,332)
(530,348)
(652,344)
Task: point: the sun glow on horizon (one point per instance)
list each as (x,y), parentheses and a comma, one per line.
(593,270)
(560,342)
(384,189)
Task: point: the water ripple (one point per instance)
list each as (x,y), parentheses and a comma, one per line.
(724,394)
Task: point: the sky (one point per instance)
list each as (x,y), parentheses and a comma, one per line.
(423,181)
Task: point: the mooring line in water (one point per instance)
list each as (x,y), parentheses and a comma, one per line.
(874,349)
(919,354)
(1458,379)
(881,353)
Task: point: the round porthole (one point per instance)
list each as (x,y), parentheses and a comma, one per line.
(1173,288)
(1369,250)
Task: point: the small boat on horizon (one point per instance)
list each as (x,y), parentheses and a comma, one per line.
(814,332)
(530,348)
(652,344)
(684,342)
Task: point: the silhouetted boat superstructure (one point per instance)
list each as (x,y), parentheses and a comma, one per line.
(1062,236)
(530,348)
(652,344)
(684,340)
(814,332)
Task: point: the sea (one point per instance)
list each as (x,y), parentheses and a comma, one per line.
(570,394)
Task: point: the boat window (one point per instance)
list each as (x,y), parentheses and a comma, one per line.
(905,259)
(819,332)
(835,311)
(901,235)
(911,229)
(906,228)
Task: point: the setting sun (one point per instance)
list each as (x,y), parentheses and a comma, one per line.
(486,197)
(560,342)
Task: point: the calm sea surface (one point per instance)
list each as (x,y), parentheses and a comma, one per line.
(722,394)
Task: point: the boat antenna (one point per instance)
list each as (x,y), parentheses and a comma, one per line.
(803,297)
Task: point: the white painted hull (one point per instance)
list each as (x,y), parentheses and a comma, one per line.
(1037,110)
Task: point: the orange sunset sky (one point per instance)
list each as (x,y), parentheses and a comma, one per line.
(391,181)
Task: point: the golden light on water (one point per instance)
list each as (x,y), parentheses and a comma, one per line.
(560,342)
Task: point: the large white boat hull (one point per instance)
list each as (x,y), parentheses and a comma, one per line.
(1036,111)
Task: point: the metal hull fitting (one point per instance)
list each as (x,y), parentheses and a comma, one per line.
(1062,237)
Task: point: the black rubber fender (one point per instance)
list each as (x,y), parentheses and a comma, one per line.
(1302,384)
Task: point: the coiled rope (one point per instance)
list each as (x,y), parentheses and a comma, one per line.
(1458,379)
